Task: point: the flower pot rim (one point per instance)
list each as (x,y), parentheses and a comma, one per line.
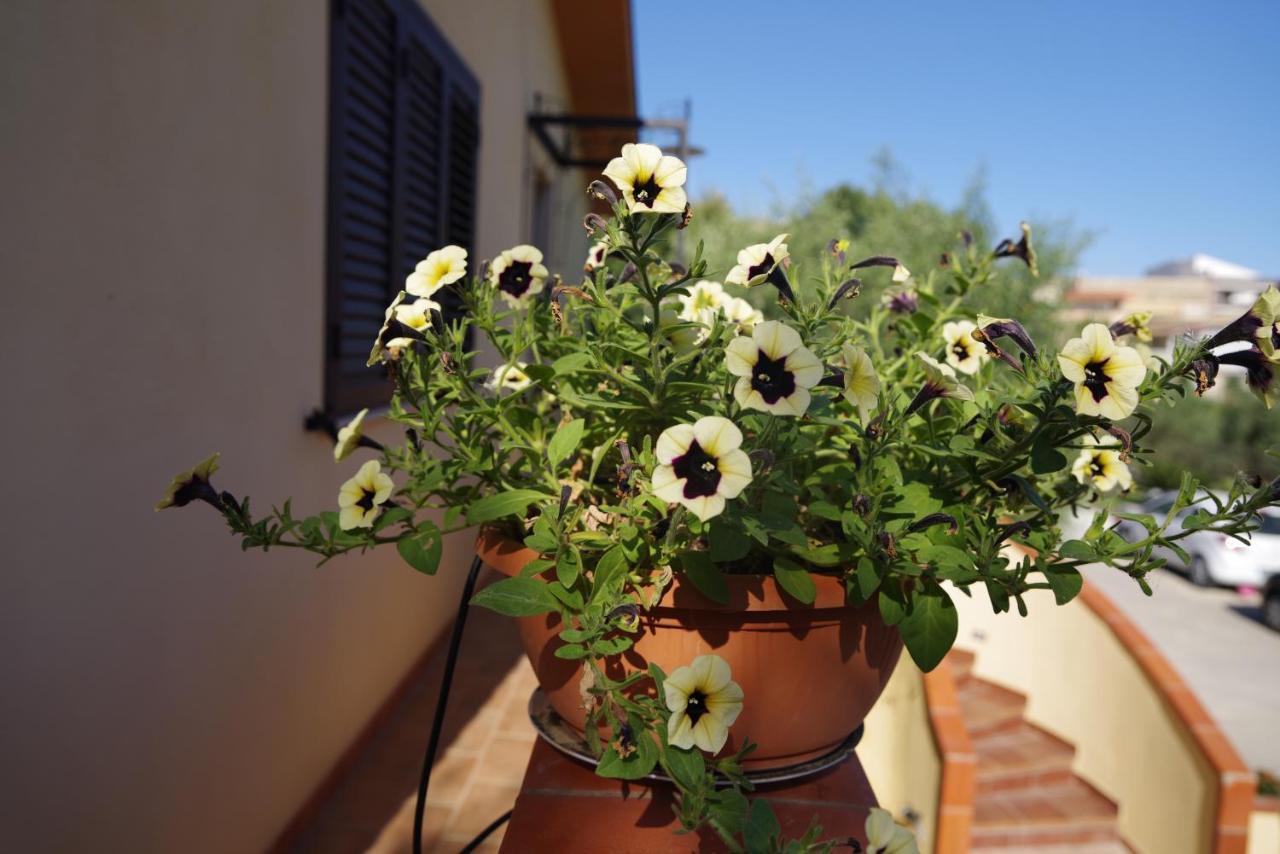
(747,593)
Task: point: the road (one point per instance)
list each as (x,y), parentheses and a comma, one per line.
(1214,638)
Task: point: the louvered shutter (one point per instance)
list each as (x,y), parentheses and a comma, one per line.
(404,138)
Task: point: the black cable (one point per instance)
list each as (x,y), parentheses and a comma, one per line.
(429,759)
(484,834)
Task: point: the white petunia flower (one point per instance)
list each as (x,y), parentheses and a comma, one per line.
(417,314)
(650,181)
(1106,376)
(1100,464)
(963,352)
(361,496)
(861,385)
(508,378)
(886,836)
(756,262)
(739,311)
(700,465)
(705,298)
(595,256)
(442,267)
(704,701)
(518,273)
(774,369)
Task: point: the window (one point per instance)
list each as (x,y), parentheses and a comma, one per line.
(404,134)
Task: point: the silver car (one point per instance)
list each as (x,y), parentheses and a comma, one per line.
(1215,558)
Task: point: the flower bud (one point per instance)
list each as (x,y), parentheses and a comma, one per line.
(1022,249)
(593,222)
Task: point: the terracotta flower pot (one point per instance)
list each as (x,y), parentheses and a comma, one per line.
(810,673)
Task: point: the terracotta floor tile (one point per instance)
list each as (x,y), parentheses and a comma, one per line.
(504,760)
(450,776)
(485,802)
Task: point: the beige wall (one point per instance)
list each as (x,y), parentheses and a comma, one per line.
(1084,686)
(899,754)
(161,244)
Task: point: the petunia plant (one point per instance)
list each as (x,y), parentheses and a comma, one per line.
(645,419)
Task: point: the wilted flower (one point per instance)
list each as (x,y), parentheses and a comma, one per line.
(700,465)
(704,701)
(837,249)
(1022,249)
(361,496)
(1260,371)
(902,302)
(442,267)
(964,353)
(596,255)
(191,485)
(774,369)
(1102,464)
(762,262)
(417,314)
(861,385)
(1003,327)
(886,836)
(650,181)
(381,342)
(518,273)
(1261,323)
(940,381)
(1134,324)
(349,436)
(396,347)
(508,378)
(1106,376)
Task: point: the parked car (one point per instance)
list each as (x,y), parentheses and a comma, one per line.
(1271,602)
(1214,558)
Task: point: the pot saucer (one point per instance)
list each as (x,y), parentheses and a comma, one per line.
(554,731)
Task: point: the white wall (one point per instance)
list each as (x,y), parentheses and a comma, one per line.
(161,254)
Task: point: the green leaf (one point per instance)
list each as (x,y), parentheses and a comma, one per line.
(390,517)
(422,549)
(795,579)
(517,597)
(728,542)
(867,578)
(893,605)
(609,574)
(1032,494)
(916,501)
(728,808)
(685,766)
(571,363)
(1045,458)
(572,651)
(611,646)
(1077,550)
(512,503)
(568,566)
(543,537)
(1064,581)
(761,827)
(637,765)
(778,512)
(565,441)
(824,510)
(705,575)
(930,626)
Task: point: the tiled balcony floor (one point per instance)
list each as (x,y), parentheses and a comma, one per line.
(485,748)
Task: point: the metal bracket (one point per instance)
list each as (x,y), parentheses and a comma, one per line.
(540,124)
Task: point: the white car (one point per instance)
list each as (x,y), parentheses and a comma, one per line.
(1215,558)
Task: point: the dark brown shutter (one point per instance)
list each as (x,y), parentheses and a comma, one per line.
(404,137)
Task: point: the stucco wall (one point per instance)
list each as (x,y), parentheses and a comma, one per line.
(161,252)
(1084,686)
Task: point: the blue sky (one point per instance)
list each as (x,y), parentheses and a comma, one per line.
(1154,125)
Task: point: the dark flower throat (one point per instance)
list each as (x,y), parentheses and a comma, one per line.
(760,269)
(647,193)
(366,500)
(515,279)
(1096,379)
(696,707)
(771,378)
(699,469)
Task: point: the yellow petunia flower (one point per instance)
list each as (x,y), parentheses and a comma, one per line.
(442,267)
(775,370)
(1106,376)
(595,256)
(361,496)
(650,181)
(417,314)
(349,436)
(861,385)
(1100,464)
(191,485)
(508,378)
(886,836)
(704,701)
(700,465)
(518,274)
(758,261)
(963,352)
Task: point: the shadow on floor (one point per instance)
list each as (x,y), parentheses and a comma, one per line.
(484,749)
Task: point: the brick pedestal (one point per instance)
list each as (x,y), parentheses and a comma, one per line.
(564,808)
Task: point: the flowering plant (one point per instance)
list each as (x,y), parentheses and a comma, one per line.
(645,419)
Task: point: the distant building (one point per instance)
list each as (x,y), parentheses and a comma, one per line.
(1195,295)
